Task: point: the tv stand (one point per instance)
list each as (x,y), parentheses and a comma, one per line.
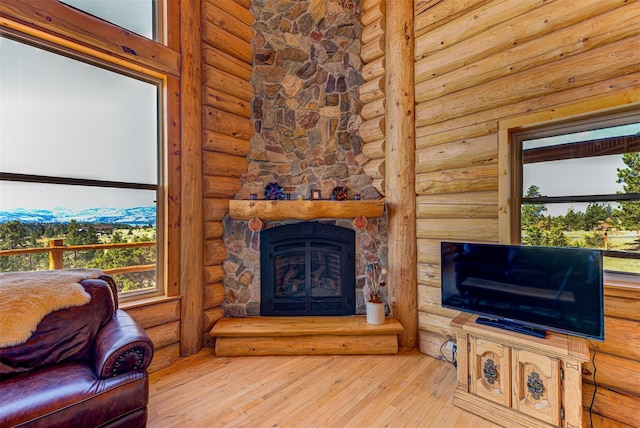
(512,326)
(519,380)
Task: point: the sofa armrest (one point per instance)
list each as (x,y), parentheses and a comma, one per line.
(121,346)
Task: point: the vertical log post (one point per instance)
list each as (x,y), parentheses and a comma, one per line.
(400,167)
(56,259)
(191,225)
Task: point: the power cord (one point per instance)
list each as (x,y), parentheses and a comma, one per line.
(595,384)
(454,350)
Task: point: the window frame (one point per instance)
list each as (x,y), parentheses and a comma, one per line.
(569,118)
(92,51)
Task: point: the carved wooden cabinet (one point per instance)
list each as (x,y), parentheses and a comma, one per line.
(517,380)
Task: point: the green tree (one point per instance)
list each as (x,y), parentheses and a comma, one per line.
(538,229)
(595,214)
(629,177)
(14,235)
(79,234)
(573,219)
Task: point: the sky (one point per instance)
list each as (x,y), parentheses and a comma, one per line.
(62,117)
(586,176)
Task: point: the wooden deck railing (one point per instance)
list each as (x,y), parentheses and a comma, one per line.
(56,251)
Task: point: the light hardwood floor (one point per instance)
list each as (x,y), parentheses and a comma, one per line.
(405,390)
(408,389)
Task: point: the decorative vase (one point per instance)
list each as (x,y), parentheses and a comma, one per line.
(375,313)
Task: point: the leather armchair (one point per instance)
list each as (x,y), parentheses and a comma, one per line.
(84,366)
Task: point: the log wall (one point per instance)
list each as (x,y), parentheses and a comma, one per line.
(227,58)
(480,62)
(371,92)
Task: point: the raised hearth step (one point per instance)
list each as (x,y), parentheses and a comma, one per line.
(305,336)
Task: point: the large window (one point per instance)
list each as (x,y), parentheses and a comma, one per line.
(577,183)
(138,16)
(80,165)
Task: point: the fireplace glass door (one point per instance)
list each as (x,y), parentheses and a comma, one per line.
(307,275)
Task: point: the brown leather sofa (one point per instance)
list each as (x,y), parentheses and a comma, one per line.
(84,366)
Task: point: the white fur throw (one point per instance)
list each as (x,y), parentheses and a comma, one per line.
(27,297)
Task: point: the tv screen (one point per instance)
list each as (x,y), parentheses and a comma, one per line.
(526,289)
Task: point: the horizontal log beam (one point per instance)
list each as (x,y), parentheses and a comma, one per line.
(210,317)
(227,21)
(373,69)
(372,130)
(613,405)
(375,168)
(214,295)
(237,9)
(213,230)
(225,102)
(614,372)
(470,179)
(374,149)
(371,91)
(373,30)
(372,14)
(228,124)
(225,144)
(225,62)
(222,164)
(457,229)
(215,209)
(156,314)
(213,274)
(373,50)
(226,42)
(215,252)
(220,187)
(618,334)
(379,185)
(228,84)
(164,334)
(164,357)
(373,109)
(435,13)
(459,154)
(459,210)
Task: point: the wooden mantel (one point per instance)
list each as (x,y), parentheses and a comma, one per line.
(304,210)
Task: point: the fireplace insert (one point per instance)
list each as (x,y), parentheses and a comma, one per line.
(307,268)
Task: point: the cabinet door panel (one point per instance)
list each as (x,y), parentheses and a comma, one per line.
(536,385)
(490,371)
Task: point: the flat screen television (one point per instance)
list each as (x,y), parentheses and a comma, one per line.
(526,289)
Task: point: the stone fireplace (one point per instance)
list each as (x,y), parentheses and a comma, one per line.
(306,115)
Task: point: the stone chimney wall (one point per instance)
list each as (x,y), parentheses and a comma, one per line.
(306,113)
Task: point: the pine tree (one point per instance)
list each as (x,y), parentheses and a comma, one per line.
(629,177)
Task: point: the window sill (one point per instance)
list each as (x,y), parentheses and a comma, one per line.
(621,286)
(131,304)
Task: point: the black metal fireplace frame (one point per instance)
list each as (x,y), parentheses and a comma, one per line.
(316,237)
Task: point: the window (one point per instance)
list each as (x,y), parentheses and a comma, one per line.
(80,165)
(138,16)
(577,183)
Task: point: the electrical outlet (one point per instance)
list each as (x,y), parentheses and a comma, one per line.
(450,345)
